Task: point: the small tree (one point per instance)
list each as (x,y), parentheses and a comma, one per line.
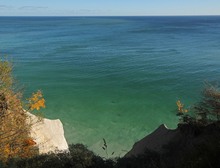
(15,140)
(182,112)
(208,109)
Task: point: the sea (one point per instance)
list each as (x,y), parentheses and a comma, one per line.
(113,78)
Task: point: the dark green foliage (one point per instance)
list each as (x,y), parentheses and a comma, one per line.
(77,157)
(195,146)
(208,109)
(81,156)
(206,148)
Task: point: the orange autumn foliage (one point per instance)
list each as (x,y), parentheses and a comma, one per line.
(30,142)
(180,107)
(15,140)
(36,101)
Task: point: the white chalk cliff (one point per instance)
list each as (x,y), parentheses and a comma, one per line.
(154,141)
(48,134)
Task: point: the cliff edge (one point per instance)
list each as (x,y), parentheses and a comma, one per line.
(189,145)
(48,134)
(154,141)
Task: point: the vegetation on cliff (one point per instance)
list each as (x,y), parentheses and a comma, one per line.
(15,140)
(205,112)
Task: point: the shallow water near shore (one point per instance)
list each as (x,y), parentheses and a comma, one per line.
(116,78)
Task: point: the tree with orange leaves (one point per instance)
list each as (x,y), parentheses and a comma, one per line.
(15,140)
(36,101)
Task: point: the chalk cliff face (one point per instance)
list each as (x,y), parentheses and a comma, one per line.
(154,141)
(48,134)
(189,145)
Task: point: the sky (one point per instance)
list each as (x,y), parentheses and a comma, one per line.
(108,7)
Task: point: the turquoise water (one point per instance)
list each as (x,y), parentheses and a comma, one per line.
(116,78)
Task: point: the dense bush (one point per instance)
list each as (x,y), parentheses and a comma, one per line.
(204,112)
(14,130)
(15,125)
(195,146)
(77,157)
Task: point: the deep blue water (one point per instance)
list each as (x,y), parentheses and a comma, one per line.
(116,78)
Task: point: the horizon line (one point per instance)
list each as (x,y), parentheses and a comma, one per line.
(103,15)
